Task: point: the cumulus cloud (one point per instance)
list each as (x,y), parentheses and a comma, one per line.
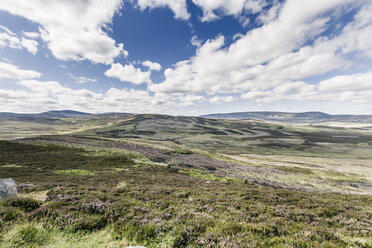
(30,45)
(189,76)
(128,73)
(221,99)
(73,30)
(32,35)
(189,100)
(178,7)
(12,40)
(213,9)
(272,62)
(267,64)
(343,83)
(49,95)
(81,79)
(352,88)
(152,65)
(195,41)
(299,91)
(10,71)
(270,14)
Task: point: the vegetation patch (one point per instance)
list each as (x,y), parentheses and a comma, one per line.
(209,177)
(36,195)
(28,235)
(295,169)
(74,172)
(26,204)
(121,185)
(11,166)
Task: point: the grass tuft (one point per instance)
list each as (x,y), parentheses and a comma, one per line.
(74,172)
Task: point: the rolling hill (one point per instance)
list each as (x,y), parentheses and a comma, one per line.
(287,117)
(54,113)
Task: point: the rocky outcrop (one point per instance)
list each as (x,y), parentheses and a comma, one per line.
(8,188)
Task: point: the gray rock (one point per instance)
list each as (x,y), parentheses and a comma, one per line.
(8,188)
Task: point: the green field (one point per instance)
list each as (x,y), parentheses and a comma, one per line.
(164,181)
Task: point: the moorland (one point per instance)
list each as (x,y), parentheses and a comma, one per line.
(118,179)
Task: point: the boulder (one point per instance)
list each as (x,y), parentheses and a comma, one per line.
(8,188)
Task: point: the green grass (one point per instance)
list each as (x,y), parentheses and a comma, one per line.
(10,166)
(208,176)
(74,172)
(28,235)
(121,185)
(36,235)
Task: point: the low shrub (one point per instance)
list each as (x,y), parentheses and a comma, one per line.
(76,221)
(25,204)
(8,214)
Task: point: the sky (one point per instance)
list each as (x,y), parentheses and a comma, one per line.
(186,57)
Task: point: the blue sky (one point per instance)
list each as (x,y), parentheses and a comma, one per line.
(186,57)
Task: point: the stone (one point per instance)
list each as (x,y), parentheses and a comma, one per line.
(8,188)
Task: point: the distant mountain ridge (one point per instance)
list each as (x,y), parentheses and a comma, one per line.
(285,117)
(64,113)
(54,113)
(303,117)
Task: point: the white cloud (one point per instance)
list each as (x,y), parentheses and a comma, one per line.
(270,14)
(30,45)
(190,76)
(195,41)
(178,7)
(12,40)
(43,88)
(353,88)
(343,83)
(10,71)
(299,91)
(38,96)
(128,73)
(32,35)
(189,100)
(212,9)
(221,99)
(81,79)
(271,62)
(7,30)
(73,30)
(152,65)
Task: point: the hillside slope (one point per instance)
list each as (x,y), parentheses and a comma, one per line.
(306,117)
